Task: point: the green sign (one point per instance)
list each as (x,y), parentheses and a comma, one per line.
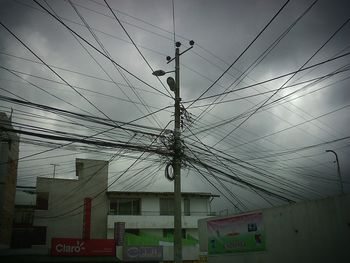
(242,233)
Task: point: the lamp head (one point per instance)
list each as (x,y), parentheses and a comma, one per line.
(158,73)
(171,82)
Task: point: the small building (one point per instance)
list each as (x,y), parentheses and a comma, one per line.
(9,150)
(147,216)
(60,203)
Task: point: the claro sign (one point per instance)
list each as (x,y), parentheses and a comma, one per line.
(79,247)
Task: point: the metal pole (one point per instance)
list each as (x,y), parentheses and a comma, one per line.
(177,164)
(54,169)
(338,169)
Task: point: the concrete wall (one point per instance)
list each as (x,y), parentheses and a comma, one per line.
(64,217)
(312,231)
(9,150)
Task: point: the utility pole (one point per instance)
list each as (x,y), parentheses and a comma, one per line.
(338,170)
(176,163)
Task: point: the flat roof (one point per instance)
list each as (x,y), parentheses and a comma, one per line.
(138,193)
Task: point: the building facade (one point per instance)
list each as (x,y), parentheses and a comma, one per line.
(60,203)
(9,150)
(152,213)
(147,216)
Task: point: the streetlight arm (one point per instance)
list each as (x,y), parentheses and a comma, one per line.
(338,169)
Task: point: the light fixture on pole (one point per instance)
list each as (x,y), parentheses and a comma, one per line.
(338,169)
(159,73)
(171,83)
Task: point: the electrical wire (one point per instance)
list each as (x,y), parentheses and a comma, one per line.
(270,97)
(243,52)
(99,51)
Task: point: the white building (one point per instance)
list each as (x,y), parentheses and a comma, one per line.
(152,212)
(148,216)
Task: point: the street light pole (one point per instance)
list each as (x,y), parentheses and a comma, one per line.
(176,162)
(338,169)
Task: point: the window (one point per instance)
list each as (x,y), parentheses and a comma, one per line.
(79,166)
(187,207)
(39,235)
(42,200)
(125,207)
(23,216)
(166,206)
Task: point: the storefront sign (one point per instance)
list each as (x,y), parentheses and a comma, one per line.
(242,233)
(80,247)
(143,253)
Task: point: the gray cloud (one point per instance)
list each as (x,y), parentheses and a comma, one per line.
(224,28)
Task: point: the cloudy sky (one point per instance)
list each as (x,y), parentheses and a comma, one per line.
(265,87)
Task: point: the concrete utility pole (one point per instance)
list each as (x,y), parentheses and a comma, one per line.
(175,87)
(177,163)
(338,169)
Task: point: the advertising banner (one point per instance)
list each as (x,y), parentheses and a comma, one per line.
(142,253)
(242,233)
(80,247)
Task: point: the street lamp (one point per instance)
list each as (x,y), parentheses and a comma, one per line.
(338,169)
(159,73)
(174,85)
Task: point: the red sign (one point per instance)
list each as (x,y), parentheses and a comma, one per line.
(80,247)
